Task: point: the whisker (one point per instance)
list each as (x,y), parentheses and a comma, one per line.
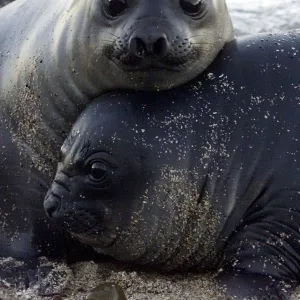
(112,34)
(111,41)
(192,36)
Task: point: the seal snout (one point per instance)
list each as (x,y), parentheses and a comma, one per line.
(58,191)
(143,44)
(51,204)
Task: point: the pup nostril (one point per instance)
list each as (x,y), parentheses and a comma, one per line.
(160,47)
(51,205)
(137,46)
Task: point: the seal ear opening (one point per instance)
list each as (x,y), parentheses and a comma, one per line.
(67,144)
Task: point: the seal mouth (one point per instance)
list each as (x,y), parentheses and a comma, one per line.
(131,63)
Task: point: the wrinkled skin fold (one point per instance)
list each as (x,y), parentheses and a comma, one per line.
(205,177)
(56,56)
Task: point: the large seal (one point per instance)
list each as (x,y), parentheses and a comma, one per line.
(4,2)
(56,56)
(202,176)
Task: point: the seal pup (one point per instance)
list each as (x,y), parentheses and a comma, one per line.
(201,177)
(56,56)
(60,55)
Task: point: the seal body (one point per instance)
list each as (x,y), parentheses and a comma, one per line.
(58,55)
(202,176)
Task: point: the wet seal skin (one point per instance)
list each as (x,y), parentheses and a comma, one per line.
(59,55)
(56,56)
(201,177)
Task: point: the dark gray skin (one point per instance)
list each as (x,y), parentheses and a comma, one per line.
(57,56)
(202,177)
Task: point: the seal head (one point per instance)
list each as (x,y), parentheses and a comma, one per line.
(150,45)
(121,190)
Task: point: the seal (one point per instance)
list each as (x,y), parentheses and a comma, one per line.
(56,56)
(201,177)
(67,53)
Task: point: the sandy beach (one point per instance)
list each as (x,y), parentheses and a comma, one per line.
(75,282)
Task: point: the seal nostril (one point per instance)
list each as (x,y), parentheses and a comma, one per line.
(51,206)
(160,47)
(137,46)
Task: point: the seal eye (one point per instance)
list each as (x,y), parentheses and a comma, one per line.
(192,7)
(115,7)
(98,171)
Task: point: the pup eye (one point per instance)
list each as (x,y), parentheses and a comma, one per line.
(98,171)
(192,7)
(115,7)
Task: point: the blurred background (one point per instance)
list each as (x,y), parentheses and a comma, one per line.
(253,16)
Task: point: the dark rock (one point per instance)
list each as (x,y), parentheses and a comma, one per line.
(107,291)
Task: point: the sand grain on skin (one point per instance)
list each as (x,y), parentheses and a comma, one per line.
(74,283)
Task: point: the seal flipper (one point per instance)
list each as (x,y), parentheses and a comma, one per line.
(20,274)
(25,232)
(262,258)
(40,238)
(27,270)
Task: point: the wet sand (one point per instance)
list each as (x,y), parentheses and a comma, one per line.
(74,283)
